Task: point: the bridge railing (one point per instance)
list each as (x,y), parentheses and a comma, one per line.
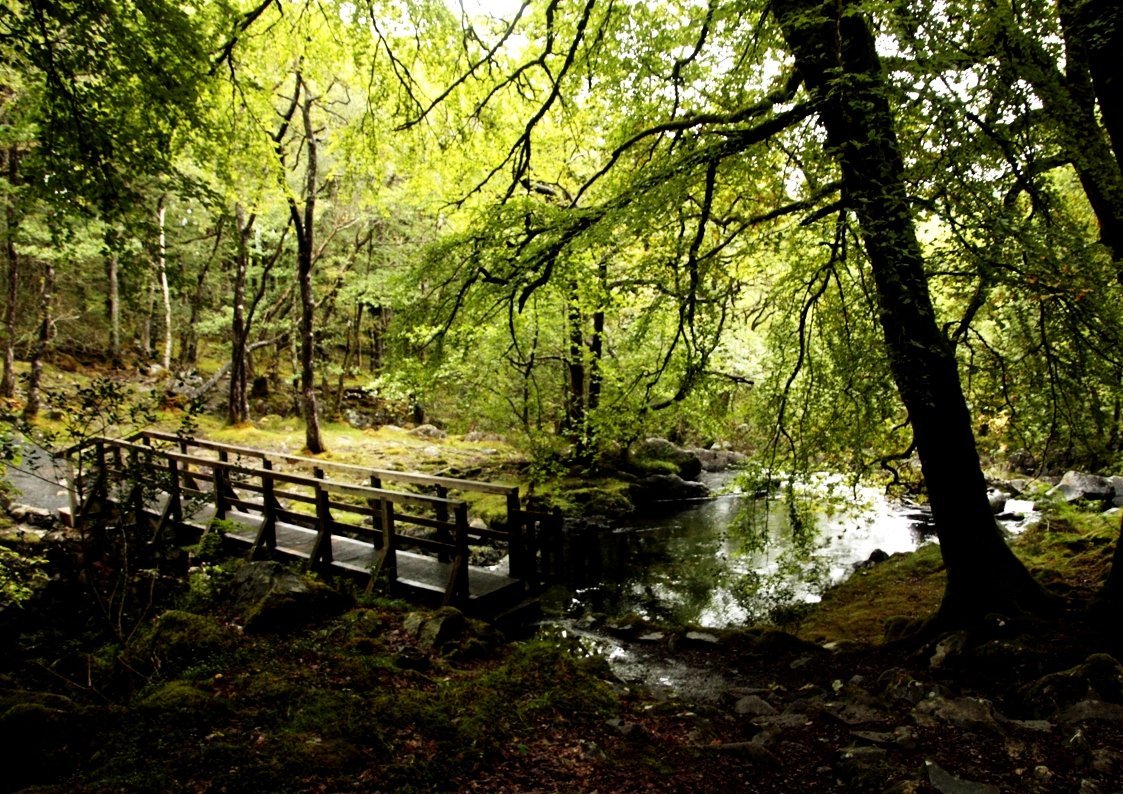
(511,531)
(170,487)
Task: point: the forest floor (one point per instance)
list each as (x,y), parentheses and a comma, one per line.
(161,684)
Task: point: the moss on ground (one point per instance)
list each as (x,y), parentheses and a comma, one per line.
(858,608)
(351,698)
(1068,549)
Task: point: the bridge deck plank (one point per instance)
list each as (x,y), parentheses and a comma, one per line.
(419,571)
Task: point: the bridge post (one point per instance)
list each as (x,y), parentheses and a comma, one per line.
(387,561)
(457,590)
(442,516)
(517,549)
(218,474)
(173,512)
(98,491)
(374,504)
(267,534)
(321,555)
(136,494)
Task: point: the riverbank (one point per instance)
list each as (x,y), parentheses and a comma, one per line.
(290,685)
(297,687)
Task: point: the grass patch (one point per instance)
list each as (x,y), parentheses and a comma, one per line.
(857,609)
(1069,549)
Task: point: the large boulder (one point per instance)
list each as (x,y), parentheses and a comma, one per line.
(1099,678)
(660,456)
(272,598)
(716,459)
(665,488)
(1075,485)
(448,632)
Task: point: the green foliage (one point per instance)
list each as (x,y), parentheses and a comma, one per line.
(21,574)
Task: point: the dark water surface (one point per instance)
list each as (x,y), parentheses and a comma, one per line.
(734,559)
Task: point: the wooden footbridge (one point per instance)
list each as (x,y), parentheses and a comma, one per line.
(340,518)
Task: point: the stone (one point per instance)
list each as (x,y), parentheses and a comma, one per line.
(876,556)
(448,632)
(1075,485)
(22,535)
(783,721)
(947,783)
(35,516)
(658,455)
(949,649)
(751,750)
(1090,711)
(716,458)
(273,598)
(1099,677)
(443,626)
(854,713)
(903,737)
(862,767)
(357,419)
(964,712)
(632,731)
(1106,761)
(997,500)
(897,684)
(428,431)
(754,705)
(702,637)
(665,488)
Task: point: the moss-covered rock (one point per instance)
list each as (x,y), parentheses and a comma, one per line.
(179,640)
(660,456)
(181,698)
(448,632)
(35,735)
(272,598)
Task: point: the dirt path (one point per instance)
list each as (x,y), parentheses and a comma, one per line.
(36,478)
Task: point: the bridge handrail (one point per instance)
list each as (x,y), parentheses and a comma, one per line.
(349,489)
(451,543)
(413,477)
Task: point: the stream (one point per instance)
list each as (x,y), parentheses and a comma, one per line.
(726,561)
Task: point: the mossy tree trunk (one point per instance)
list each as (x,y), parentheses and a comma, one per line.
(42,341)
(238,405)
(836,57)
(11,221)
(304,221)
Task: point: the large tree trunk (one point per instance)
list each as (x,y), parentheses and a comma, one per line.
(305,253)
(162,278)
(238,405)
(8,378)
(113,301)
(1094,29)
(1069,99)
(575,374)
(35,377)
(834,52)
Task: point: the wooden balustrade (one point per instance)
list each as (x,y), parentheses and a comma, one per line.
(244,486)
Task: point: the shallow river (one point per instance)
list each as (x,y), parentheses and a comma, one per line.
(734,559)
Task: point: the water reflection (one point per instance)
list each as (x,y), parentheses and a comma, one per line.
(735,559)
